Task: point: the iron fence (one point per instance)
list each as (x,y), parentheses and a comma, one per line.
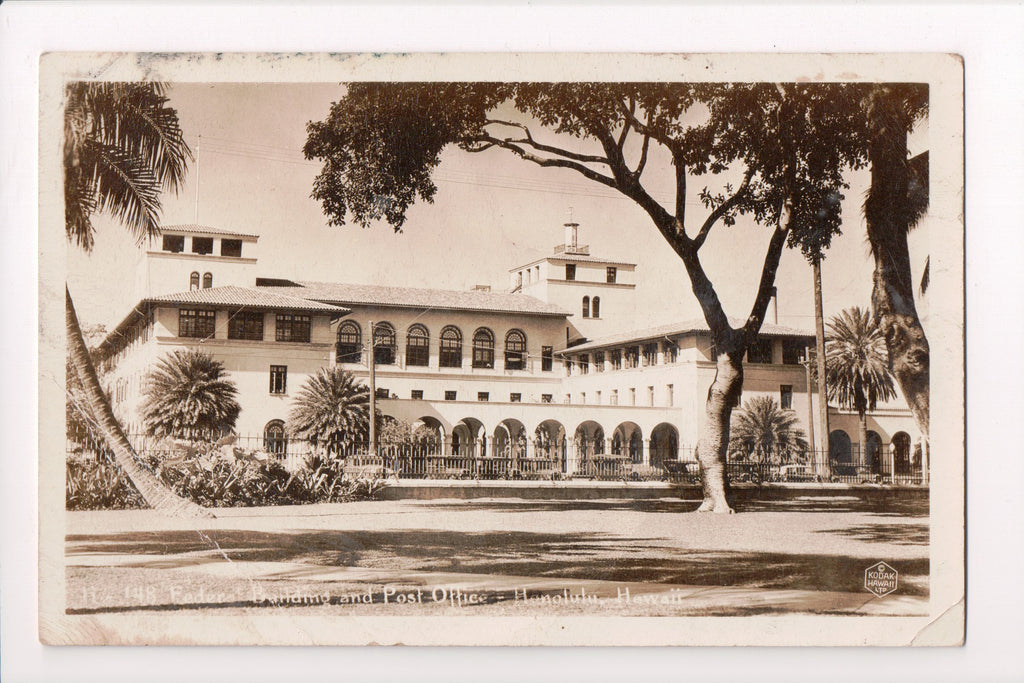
(428,460)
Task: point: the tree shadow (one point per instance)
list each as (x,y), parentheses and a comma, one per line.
(562,555)
(896,534)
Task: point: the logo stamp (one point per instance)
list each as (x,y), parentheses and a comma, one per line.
(880,579)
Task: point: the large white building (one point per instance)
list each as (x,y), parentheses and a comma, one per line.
(553,365)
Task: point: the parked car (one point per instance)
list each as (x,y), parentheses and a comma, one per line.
(796,473)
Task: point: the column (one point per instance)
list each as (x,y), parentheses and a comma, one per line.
(924,462)
(608,446)
(570,456)
(647,452)
(446,449)
(661,352)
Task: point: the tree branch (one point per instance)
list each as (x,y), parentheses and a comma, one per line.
(541,161)
(643,156)
(768,271)
(629,185)
(625,124)
(722,209)
(540,147)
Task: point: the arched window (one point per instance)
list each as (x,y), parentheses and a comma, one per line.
(483,348)
(274,440)
(586,307)
(515,350)
(595,308)
(207,280)
(417,346)
(193,280)
(349,347)
(451,347)
(384,346)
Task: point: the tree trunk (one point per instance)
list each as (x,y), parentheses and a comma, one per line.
(152,490)
(714,438)
(888,212)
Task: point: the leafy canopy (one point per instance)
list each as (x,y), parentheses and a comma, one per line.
(791,142)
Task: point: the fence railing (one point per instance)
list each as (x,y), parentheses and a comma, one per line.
(427,460)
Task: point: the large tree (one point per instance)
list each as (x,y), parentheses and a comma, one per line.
(897,198)
(785,147)
(188,396)
(122,147)
(857,366)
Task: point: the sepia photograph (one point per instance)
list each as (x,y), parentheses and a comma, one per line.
(499,349)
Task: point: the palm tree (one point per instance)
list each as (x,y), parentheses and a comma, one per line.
(857,365)
(188,397)
(763,432)
(122,146)
(331,410)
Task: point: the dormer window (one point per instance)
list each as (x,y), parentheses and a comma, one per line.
(202,245)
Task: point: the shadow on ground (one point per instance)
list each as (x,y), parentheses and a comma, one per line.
(563,555)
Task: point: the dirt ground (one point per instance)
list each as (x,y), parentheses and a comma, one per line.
(501,556)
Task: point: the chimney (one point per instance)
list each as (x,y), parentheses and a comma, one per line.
(570,236)
(773,306)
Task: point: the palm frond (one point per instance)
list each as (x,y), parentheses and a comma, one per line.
(857,372)
(188,396)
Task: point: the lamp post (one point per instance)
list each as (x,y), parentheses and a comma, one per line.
(372,360)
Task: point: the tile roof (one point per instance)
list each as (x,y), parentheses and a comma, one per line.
(686,327)
(246,296)
(410,297)
(581,258)
(191,228)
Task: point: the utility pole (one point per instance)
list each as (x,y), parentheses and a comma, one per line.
(819,347)
(372,360)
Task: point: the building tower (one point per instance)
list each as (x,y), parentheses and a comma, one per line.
(599,291)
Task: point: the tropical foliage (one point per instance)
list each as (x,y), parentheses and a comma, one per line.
(94,484)
(188,396)
(122,146)
(331,410)
(762,432)
(856,364)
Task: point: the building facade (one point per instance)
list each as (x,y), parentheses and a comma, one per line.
(552,367)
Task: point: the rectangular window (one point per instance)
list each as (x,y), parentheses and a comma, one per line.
(583,398)
(382,393)
(613,400)
(570,271)
(194,322)
(650,396)
(670,395)
(449,395)
(671,352)
(278,379)
(584,364)
(515,397)
(568,368)
(292,328)
(174,243)
(632,357)
(202,245)
(616,358)
(417,394)
(483,396)
(651,354)
(597,397)
(760,351)
(546,356)
(786,396)
(567,400)
(610,273)
(792,351)
(546,398)
(231,248)
(599,362)
(632,396)
(246,325)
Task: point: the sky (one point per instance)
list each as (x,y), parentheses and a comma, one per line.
(491,213)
